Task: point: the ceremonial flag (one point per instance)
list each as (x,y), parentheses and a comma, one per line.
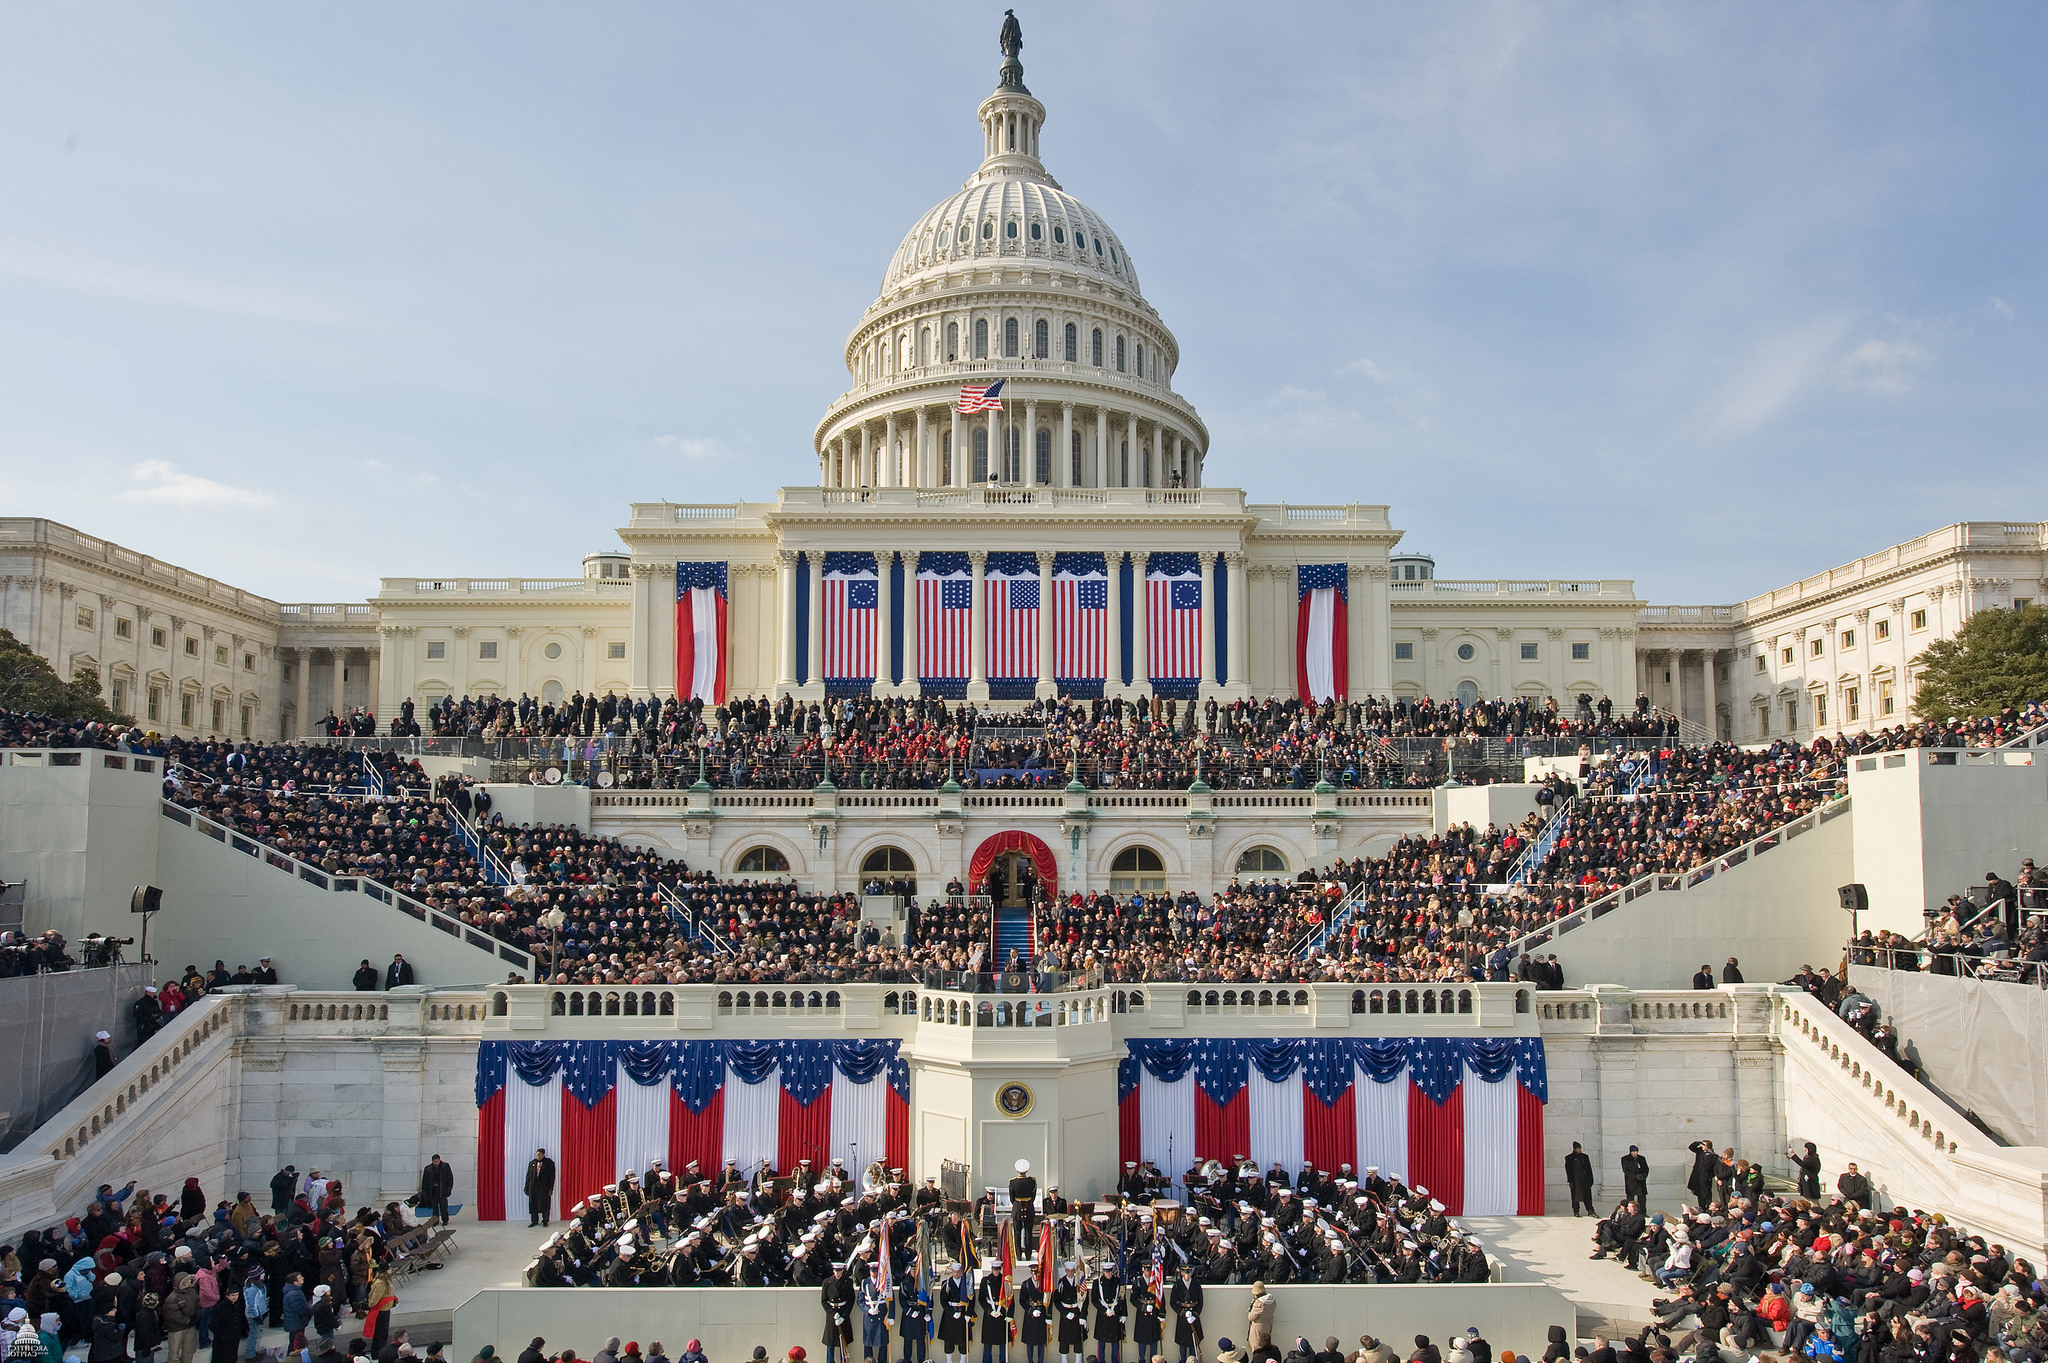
(1011,580)
(1322,663)
(1173,616)
(1006,1259)
(700,632)
(981,397)
(852,594)
(1080,617)
(885,1276)
(1045,1257)
(945,600)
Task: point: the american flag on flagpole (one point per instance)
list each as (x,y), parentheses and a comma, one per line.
(981,397)
(1156,1274)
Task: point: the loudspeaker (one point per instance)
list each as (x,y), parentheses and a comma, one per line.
(146,899)
(1854,898)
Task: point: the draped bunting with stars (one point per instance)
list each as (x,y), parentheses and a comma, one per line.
(1460,1116)
(601,1108)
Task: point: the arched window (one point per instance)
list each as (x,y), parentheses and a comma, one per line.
(1076,479)
(1119,354)
(988,231)
(952,341)
(1041,340)
(924,346)
(981,338)
(1095,348)
(763,860)
(980,454)
(1468,694)
(1010,229)
(551,693)
(1141,359)
(1080,238)
(1059,235)
(1260,861)
(1123,463)
(946,458)
(1043,453)
(1037,230)
(1137,869)
(1073,343)
(1010,335)
(888,861)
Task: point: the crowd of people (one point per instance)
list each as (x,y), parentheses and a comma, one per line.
(1816,1273)
(141,1275)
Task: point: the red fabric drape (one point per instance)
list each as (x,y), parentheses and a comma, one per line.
(806,1133)
(1329,1133)
(1127,1148)
(896,1138)
(490,1159)
(589,1140)
(1436,1147)
(698,1136)
(1015,840)
(1222,1130)
(1301,648)
(1528,1153)
(686,643)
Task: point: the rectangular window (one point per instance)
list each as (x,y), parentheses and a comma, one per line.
(1528,653)
(1818,647)
(1404,653)
(1119,354)
(1883,629)
(248,662)
(1887,704)
(1762,663)
(156,703)
(2020,603)
(1848,638)
(1582,653)
(1919,619)
(123,628)
(488,650)
(1791,715)
(185,711)
(191,647)
(1852,702)
(1763,721)
(615,650)
(219,709)
(1785,655)
(1820,710)
(120,697)
(157,639)
(85,617)
(220,654)
(437,650)
(248,720)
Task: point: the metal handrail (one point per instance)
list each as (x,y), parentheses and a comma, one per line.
(1539,849)
(681,912)
(493,867)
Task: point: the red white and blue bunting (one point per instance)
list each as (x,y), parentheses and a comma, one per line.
(600,1108)
(1460,1116)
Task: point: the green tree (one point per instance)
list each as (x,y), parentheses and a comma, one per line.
(27,682)
(1999,658)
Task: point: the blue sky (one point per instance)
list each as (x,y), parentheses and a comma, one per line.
(1708,296)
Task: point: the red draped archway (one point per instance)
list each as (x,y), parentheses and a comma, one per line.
(1015,840)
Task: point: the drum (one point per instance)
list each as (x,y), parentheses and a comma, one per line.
(1166,1212)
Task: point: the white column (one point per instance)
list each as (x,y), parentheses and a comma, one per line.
(302,674)
(1063,459)
(887,472)
(1047,687)
(977,632)
(817,621)
(1028,447)
(373,659)
(785,623)
(912,684)
(1380,593)
(1707,664)
(884,682)
(918,477)
(1208,562)
(1141,657)
(340,656)
(1239,653)
(641,657)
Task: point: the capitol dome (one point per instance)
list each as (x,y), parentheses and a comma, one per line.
(1011,280)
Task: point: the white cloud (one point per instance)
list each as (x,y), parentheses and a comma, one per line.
(154,480)
(1780,369)
(693,446)
(1364,365)
(1882,367)
(81,272)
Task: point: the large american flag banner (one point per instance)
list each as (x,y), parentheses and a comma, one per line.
(700,632)
(1322,664)
(1011,580)
(852,593)
(601,1108)
(981,397)
(1173,616)
(1460,1116)
(1080,618)
(945,601)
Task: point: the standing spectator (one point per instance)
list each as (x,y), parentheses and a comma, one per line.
(398,972)
(264,973)
(102,1055)
(1703,978)
(366,977)
(149,1014)
(1578,1175)
(230,1327)
(284,1185)
(1853,1186)
(1635,1177)
(180,1310)
(298,1310)
(540,1188)
(1731,973)
(437,1185)
(1808,1163)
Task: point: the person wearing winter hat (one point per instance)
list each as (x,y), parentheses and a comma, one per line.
(1226,1352)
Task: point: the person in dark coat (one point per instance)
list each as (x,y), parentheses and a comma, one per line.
(107,1341)
(366,977)
(1808,1163)
(955,1308)
(1184,1299)
(1706,1165)
(992,1297)
(540,1188)
(1635,1177)
(398,972)
(1147,1319)
(1106,1298)
(1731,973)
(1070,1302)
(1578,1175)
(437,1185)
(230,1326)
(913,1319)
(284,1185)
(102,1055)
(1033,1318)
(839,1300)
